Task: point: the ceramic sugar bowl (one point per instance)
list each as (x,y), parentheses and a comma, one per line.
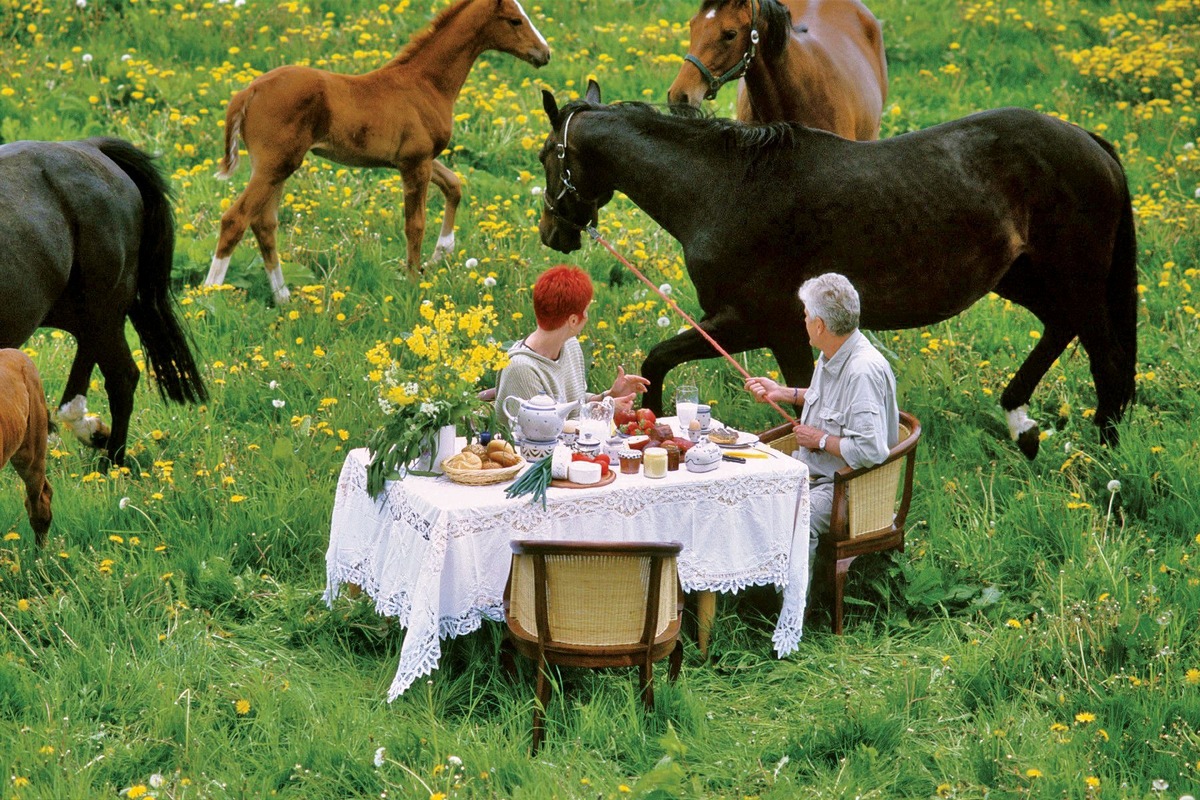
(702,457)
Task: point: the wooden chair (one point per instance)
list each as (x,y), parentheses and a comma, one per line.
(869,509)
(592,604)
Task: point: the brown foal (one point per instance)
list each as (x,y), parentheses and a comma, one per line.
(399,115)
(24,426)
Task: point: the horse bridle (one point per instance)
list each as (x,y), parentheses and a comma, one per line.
(560,152)
(738,69)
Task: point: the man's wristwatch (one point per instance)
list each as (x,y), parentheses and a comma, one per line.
(824,439)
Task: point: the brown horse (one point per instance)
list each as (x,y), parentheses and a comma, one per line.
(817,62)
(24,426)
(398,116)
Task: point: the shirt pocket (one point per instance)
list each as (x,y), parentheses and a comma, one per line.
(831,421)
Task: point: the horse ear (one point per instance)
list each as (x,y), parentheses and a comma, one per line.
(550,107)
(593,92)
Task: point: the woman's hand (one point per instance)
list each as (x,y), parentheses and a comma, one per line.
(627,384)
(763,389)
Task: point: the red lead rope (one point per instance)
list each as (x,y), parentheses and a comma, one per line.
(595,234)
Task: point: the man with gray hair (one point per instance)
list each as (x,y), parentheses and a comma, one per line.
(850,416)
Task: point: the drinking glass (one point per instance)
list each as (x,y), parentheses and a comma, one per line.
(687,397)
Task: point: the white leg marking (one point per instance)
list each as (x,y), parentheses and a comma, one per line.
(83,424)
(445,246)
(541,38)
(279,286)
(216,272)
(1019,422)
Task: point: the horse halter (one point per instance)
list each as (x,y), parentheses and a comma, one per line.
(738,69)
(560,152)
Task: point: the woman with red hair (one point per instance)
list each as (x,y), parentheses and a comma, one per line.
(550,361)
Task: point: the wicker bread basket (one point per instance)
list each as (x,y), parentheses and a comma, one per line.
(483,477)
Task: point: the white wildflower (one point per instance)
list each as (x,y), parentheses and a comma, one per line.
(379,756)
(428,408)
(1159,785)
(126,57)
(124,503)
(86,58)
(1114,485)
(454,761)
(157,780)
(1066,447)
(489,281)
(411,388)
(1189,146)
(663,322)
(472,263)
(665,288)
(279,402)
(1198,192)
(273,385)
(81,3)
(537,190)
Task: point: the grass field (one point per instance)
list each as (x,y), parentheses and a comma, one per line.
(1037,638)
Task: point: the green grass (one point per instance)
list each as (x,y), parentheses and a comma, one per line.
(1037,638)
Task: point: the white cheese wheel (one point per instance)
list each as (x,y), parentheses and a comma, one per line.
(584,472)
(560,462)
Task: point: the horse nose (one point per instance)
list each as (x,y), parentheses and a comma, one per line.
(540,57)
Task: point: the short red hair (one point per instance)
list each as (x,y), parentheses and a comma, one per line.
(560,292)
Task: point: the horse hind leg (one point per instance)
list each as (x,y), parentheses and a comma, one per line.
(1015,398)
(451,187)
(1112,375)
(265,225)
(120,379)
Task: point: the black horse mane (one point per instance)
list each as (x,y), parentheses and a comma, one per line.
(777,18)
(751,139)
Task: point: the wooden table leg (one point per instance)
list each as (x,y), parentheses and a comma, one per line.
(706,609)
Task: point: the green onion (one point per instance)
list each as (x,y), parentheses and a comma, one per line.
(534,481)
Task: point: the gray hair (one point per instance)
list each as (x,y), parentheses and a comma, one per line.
(834,299)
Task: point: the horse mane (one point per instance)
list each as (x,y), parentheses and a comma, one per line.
(776,15)
(444,18)
(751,139)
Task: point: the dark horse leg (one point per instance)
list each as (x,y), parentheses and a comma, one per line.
(1015,398)
(120,379)
(72,409)
(732,332)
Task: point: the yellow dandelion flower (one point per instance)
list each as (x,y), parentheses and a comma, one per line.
(1092,782)
(22,604)
(12,536)
(1084,717)
(1013,623)
(1033,773)
(1192,676)
(242,707)
(136,791)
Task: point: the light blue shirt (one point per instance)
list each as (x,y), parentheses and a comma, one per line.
(853,396)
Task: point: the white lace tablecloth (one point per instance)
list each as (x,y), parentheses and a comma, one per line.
(435,554)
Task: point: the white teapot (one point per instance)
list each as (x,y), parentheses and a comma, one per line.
(539,418)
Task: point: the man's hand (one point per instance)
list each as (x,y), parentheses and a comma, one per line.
(627,384)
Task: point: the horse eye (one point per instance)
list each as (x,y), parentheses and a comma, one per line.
(729,35)
(516,23)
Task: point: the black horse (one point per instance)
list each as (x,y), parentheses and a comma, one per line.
(88,238)
(924,224)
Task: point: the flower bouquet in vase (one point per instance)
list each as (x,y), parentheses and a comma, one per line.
(428,384)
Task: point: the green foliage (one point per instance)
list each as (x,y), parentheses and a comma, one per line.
(1036,638)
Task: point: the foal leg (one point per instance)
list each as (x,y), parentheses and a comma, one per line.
(264,224)
(1015,398)
(416,186)
(451,187)
(30,463)
(264,188)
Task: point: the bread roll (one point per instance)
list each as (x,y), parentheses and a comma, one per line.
(477,449)
(505,458)
(499,446)
(464,460)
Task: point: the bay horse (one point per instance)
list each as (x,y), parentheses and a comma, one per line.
(88,238)
(924,224)
(24,427)
(397,116)
(817,62)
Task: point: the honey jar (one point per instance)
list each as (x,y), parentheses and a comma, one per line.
(654,462)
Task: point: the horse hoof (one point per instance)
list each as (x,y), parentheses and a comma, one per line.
(1028,441)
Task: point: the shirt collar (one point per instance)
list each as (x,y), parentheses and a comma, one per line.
(833,366)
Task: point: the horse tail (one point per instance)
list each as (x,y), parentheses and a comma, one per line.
(235,115)
(1123,283)
(152,313)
